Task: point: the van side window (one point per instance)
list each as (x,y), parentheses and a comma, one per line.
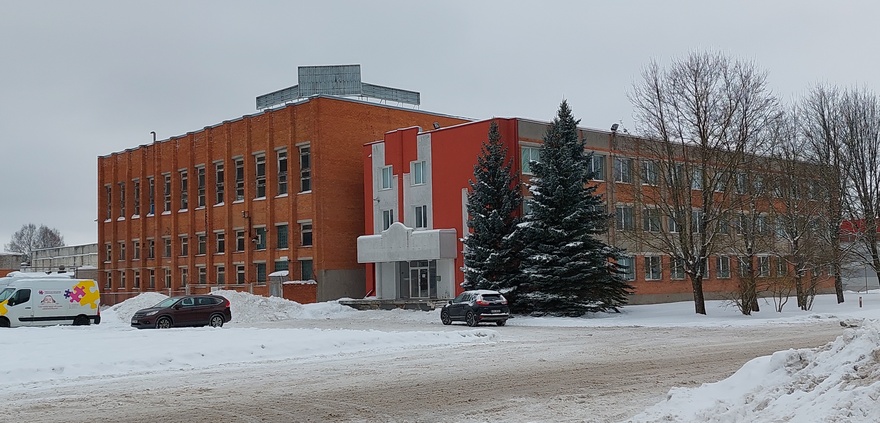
(21,296)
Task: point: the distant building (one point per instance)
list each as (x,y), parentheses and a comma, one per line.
(10,262)
(228,205)
(82,260)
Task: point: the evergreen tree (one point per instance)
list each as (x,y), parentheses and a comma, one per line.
(489,256)
(565,268)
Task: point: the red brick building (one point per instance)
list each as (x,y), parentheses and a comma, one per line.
(416,194)
(225,206)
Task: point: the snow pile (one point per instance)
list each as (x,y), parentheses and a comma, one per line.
(837,383)
(122,312)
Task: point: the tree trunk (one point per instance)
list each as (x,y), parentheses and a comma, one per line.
(699,300)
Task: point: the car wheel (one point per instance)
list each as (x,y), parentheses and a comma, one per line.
(4,322)
(470,319)
(501,322)
(163,323)
(444,317)
(81,321)
(216,321)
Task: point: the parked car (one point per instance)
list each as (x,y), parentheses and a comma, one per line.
(474,307)
(188,310)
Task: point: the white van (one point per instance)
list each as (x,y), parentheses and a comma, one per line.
(50,301)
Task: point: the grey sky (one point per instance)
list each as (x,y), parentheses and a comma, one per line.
(88,78)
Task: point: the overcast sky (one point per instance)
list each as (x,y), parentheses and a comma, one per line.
(83,79)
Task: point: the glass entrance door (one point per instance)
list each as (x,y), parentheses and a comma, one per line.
(418,280)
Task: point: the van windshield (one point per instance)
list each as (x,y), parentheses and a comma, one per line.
(6,293)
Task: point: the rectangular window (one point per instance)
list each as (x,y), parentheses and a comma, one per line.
(697,179)
(108,192)
(744,267)
(136,250)
(282,171)
(184,245)
(722,267)
(239,273)
(421,216)
(623,170)
(649,172)
(121,250)
(121,280)
(200,180)
(151,283)
(109,252)
(221,242)
(109,282)
(387,177)
(261,238)
(306,270)
(166,194)
(677,269)
(137,197)
(151,248)
(305,169)
(763,266)
(742,181)
(281,265)
(137,279)
(122,199)
(260,174)
(167,242)
(782,266)
(597,167)
(184,185)
(627,265)
(529,155)
(387,219)
(653,270)
(697,221)
(261,273)
(167,278)
(305,229)
(203,275)
(239,240)
(418,173)
(673,224)
(281,236)
(651,220)
(184,276)
(151,186)
(203,244)
(221,274)
(219,180)
(239,179)
(624,218)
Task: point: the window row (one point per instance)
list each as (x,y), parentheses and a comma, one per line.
(418,173)
(219,195)
(149,278)
(653,267)
(653,220)
(201,243)
(419,212)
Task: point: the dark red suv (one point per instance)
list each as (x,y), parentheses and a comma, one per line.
(189,310)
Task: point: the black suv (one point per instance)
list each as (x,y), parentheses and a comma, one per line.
(189,310)
(473,307)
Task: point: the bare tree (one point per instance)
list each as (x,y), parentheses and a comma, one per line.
(702,115)
(30,238)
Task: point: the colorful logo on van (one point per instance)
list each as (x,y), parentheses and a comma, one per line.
(84,292)
(3,309)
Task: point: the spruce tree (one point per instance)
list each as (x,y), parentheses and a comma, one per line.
(565,268)
(494,198)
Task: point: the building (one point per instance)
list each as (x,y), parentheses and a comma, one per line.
(227,205)
(415,192)
(81,260)
(10,262)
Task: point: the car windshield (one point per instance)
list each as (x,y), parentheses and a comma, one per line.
(168,302)
(6,293)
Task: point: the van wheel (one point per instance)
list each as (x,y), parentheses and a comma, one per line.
(4,322)
(81,320)
(216,321)
(163,323)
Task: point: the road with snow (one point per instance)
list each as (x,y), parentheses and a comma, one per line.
(525,374)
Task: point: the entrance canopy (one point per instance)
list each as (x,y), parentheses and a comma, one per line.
(399,243)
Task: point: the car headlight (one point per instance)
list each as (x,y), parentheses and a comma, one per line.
(151,313)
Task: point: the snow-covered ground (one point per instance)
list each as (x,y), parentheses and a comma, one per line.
(838,382)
